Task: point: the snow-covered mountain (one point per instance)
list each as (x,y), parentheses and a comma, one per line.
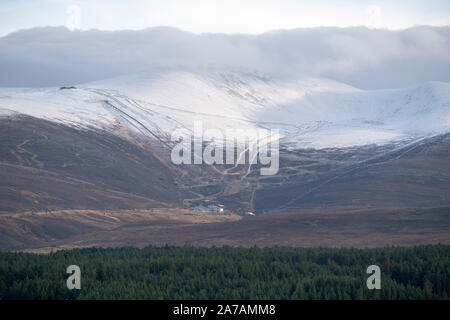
(309,112)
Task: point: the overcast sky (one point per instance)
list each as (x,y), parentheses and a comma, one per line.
(363,57)
(224,16)
(230,34)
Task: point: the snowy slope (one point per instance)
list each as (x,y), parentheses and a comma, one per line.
(314,113)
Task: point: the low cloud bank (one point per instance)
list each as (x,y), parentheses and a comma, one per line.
(365,58)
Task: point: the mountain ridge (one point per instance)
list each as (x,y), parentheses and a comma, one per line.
(309,112)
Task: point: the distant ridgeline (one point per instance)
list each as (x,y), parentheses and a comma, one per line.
(228,273)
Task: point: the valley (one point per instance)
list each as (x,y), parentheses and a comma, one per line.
(90,165)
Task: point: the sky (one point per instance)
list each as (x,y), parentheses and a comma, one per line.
(367,44)
(363,57)
(211,16)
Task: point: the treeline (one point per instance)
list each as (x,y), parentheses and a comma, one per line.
(228,273)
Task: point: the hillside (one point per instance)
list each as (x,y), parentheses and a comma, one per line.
(75,157)
(310,113)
